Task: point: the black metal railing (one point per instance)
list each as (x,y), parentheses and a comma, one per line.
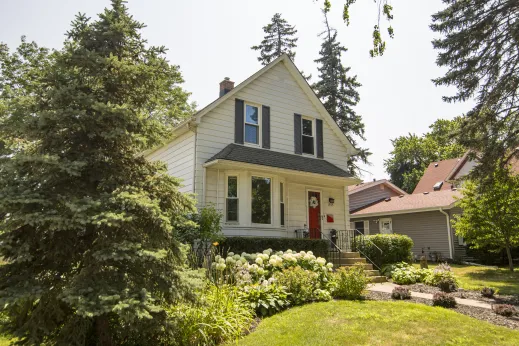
(340,241)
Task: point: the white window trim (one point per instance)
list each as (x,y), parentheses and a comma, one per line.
(237,197)
(245,104)
(381,222)
(313,136)
(271,199)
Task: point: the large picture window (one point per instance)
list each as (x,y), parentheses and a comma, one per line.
(308,136)
(252,127)
(231,214)
(261,200)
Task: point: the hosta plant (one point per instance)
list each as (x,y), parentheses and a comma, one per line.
(266,298)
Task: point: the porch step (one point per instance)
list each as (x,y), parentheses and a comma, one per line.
(346,261)
(377,279)
(366,266)
(372,273)
(350,254)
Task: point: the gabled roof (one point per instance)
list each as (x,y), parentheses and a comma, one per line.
(303,84)
(270,158)
(437,172)
(411,203)
(352,189)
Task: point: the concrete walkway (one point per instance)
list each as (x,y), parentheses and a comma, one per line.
(387,287)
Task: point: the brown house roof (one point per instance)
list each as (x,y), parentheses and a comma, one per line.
(414,202)
(437,172)
(362,186)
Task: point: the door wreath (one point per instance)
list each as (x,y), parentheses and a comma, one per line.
(314,202)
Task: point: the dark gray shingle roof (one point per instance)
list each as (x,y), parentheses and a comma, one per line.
(264,157)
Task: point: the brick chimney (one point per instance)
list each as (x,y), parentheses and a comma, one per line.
(225,86)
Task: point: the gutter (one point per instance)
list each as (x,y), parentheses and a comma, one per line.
(448,230)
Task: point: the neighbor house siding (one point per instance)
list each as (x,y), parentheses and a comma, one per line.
(460,251)
(428,230)
(370,195)
(179,158)
(277,89)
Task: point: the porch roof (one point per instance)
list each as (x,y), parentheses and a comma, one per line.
(269,158)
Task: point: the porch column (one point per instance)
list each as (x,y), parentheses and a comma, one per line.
(346,208)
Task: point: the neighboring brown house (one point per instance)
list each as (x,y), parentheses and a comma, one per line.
(425,215)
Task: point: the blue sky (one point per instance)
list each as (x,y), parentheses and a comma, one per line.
(211,39)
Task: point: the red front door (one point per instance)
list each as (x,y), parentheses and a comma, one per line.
(314,214)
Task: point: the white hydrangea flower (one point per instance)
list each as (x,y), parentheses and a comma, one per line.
(259,261)
(321,261)
(329,265)
(230,254)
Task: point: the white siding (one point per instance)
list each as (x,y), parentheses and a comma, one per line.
(179,158)
(279,90)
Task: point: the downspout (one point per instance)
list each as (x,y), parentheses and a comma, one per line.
(449,231)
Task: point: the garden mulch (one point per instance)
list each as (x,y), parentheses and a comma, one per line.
(479,313)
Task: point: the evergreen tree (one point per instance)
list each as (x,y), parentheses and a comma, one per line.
(88,229)
(338,91)
(479,48)
(279,39)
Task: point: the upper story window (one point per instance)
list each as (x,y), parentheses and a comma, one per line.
(308,133)
(252,124)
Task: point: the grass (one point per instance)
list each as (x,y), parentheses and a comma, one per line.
(4,341)
(476,277)
(376,323)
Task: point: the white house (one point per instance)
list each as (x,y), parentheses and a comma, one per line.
(267,154)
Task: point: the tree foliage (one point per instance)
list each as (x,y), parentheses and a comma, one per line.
(384,10)
(412,154)
(279,39)
(88,229)
(491,215)
(479,47)
(337,89)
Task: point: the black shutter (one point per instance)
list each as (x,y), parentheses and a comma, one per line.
(238,121)
(298,140)
(319,138)
(265,127)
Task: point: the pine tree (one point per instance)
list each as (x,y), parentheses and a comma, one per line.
(479,48)
(279,39)
(88,229)
(338,91)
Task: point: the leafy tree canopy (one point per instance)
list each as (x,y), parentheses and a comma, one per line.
(279,39)
(479,48)
(412,154)
(490,216)
(88,224)
(337,89)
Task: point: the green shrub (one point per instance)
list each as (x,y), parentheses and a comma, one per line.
(222,315)
(504,310)
(443,278)
(395,248)
(405,276)
(300,283)
(319,247)
(350,282)
(444,300)
(401,293)
(266,299)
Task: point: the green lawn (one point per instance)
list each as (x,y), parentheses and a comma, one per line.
(475,278)
(4,341)
(376,323)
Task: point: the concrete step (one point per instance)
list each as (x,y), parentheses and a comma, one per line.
(372,272)
(350,255)
(377,279)
(353,260)
(366,266)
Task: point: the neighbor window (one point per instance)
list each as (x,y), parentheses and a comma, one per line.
(232,199)
(261,200)
(282,203)
(386,226)
(251,124)
(308,136)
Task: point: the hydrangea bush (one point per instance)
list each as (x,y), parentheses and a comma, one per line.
(405,274)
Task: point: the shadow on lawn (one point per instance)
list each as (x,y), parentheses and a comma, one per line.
(506,281)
